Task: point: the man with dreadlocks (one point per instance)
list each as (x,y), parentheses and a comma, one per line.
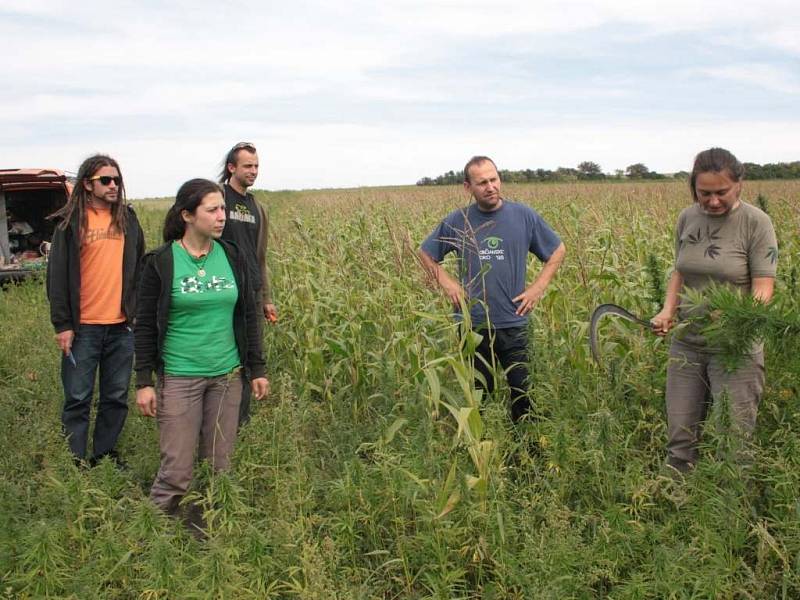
(91,278)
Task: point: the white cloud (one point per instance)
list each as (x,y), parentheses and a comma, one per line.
(786,38)
(363,93)
(480,18)
(355,155)
(761,76)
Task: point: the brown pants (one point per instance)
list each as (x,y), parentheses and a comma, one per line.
(192,410)
(694,380)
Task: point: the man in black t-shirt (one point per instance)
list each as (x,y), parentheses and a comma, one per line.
(247,225)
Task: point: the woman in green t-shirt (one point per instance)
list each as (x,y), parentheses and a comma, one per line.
(195,330)
(718,239)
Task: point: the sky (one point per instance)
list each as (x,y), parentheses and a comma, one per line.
(356,93)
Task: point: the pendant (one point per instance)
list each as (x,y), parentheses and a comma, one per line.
(201,272)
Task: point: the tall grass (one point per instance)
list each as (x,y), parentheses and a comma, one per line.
(375,470)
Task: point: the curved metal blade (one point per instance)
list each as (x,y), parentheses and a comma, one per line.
(602,311)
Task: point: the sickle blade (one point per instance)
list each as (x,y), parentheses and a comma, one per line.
(602,311)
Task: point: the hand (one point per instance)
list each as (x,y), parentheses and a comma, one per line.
(454,293)
(528,299)
(260,387)
(662,323)
(64,340)
(271,313)
(146,401)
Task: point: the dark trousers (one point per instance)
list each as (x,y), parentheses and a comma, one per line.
(244,406)
(109,350)
(509,347)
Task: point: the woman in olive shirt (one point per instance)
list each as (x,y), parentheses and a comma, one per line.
(719,239)
(195,330)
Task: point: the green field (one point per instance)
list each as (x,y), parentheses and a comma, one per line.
(370,472)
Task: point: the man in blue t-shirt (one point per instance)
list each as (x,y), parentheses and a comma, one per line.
(492,238)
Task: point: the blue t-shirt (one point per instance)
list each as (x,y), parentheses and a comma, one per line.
(493,255)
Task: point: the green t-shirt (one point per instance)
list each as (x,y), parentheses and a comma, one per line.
(200,341)
(731,249)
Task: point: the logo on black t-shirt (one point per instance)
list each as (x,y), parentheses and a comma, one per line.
(242,213)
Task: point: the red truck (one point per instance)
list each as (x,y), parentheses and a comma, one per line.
(27,197)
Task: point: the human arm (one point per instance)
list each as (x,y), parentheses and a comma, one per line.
(146,400)
(254,355)
(260,387)
(534,292)
(58,292)
(64,340)
(140,245)
(271,313)
(761,288)
(449,286)
(762,260)
(145,328)
(134,230)
(665,319)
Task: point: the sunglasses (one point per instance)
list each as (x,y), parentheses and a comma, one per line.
(107,179)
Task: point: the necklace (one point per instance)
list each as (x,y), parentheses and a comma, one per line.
(199,260)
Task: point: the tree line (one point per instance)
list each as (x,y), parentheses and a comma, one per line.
(591,171)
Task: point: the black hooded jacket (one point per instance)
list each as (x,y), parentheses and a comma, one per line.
(64,272)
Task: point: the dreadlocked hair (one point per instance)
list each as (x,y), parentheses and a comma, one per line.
(81,197)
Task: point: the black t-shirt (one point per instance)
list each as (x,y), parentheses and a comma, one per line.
(243,221)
